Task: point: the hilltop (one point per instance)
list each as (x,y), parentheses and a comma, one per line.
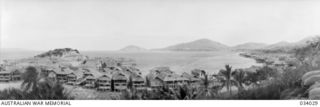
(133,48)
(198,45)
(289,46)
(59,53)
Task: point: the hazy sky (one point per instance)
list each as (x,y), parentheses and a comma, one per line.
(113,24)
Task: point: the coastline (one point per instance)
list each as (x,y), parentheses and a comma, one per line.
(279,60)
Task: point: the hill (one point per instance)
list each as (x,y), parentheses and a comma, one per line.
(133,48)
(59,53)
(290,46)
(280,45)
(249,46)
(198,45)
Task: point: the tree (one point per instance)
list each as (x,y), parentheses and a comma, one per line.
(252,78)
(185,93)
(30,79)
(37,87)
(240,78)
(205,82)
(50,90)
(265,73)
(225,77)
(308,54)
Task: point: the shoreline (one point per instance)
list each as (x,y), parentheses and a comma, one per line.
(273,59)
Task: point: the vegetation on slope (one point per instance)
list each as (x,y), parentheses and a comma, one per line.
(35,87)
(58,52)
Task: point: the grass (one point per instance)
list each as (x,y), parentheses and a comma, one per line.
(80,93)
(6,85)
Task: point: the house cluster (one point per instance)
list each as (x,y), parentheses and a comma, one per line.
(103,74)
(103,79)
(9,74)
(163,76)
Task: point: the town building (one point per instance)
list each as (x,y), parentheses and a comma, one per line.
(90,82)
(119,81)
(138,82)
(104,83)
(10,75)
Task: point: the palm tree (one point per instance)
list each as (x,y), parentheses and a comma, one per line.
(205,82)
(240,78)
(50,90)
(225,77)
(30,79)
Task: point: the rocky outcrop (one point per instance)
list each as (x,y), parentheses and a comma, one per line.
(59,53)
(310,74)
(312,81)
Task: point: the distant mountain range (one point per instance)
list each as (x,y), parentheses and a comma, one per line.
(287,46)
(209,45)
(197,45)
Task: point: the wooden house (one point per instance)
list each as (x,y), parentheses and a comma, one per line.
(90,82)
(74,77)
(62,74)
(71,79)
(5,76)
(193,81)
(87,73)
(15,75)
(131,69)
(109,71)
(104,83)
(10,75)
(170,81)
(182,80)
(119,81)
(138,82)
(196,82)
(166,76)
(156,83)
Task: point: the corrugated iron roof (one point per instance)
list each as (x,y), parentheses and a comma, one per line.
(104,77)
(118,76)
(137,78)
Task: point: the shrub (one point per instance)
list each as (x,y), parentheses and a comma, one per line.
(35,87)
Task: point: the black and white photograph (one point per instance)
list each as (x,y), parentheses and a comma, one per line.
(160,50)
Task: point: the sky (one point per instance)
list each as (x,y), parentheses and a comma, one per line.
(114,24)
